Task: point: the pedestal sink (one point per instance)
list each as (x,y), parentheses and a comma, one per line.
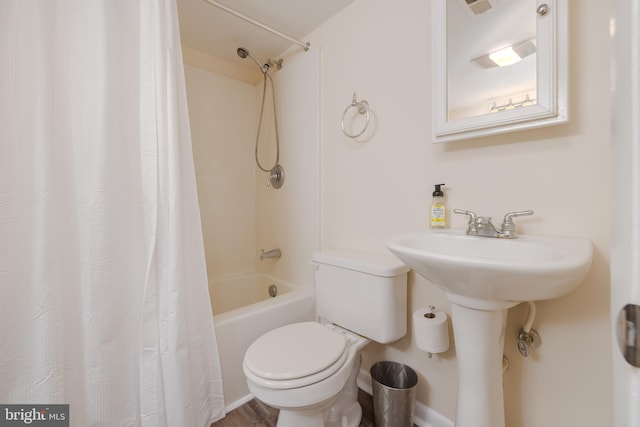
(483,277)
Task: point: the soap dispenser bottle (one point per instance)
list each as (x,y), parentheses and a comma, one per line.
(438,209)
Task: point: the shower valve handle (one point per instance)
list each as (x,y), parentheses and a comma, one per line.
(276,177)
(273,176)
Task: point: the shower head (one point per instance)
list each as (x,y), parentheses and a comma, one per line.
(244,53)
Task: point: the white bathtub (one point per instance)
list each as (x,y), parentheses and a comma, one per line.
(242,311)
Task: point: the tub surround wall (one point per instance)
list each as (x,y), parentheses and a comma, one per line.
(288,218)
(240,214)
(222,118)
(374,190)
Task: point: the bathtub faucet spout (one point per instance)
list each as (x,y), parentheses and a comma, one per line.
(273,253)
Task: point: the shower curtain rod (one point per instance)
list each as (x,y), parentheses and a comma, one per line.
(217,4)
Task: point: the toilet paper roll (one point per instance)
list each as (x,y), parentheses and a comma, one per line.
(431,330)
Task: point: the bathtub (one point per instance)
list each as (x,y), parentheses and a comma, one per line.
(242,311)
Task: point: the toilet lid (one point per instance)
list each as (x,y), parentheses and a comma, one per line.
(294,351)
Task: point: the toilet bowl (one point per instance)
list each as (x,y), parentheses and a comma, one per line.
(308,370)
(309,374)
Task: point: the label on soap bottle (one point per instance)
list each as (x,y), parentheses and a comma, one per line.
(438,216)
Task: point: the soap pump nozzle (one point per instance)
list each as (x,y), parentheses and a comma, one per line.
(438,192)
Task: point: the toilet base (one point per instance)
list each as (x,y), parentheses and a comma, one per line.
(300,419)
(350,418)
(344,411)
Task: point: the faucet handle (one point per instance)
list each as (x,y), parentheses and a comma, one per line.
(472,228)
(508,226)
(472,215)
(508,218)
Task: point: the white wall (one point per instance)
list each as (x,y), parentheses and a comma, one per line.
(374,190)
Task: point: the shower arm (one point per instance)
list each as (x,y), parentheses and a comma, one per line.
(227,9)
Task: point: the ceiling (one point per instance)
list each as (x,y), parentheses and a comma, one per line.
(212,30)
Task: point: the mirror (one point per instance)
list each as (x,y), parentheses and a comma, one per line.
(498,66)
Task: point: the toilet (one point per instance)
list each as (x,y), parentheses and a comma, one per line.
(308,370)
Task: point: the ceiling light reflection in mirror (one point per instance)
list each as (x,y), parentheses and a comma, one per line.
(491,60)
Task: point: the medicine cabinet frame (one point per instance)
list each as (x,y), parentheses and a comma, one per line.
(552,69)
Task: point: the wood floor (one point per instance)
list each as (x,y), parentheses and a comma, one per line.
(256,414)
(252,413)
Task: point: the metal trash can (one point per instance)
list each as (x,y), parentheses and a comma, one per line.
(394,394)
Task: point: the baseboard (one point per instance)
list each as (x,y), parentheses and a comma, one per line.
(423,415)
(238,403)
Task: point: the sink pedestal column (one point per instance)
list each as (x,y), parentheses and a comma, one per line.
(478,329)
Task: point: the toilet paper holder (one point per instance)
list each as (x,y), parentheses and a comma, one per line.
(431,330)
(430,315)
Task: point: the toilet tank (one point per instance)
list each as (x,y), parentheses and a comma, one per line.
(363,292)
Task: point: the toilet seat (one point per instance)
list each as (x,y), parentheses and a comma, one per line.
(295,355)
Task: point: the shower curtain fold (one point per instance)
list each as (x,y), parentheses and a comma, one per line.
(103,287)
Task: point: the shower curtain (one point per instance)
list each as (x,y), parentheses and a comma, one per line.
(103,289)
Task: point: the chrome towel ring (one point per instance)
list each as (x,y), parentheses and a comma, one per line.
(362,108)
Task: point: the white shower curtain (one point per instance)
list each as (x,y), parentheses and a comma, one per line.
(103,289)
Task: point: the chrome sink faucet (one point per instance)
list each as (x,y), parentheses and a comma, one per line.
(483,226)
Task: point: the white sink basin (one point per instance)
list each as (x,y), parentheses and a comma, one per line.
(524,269)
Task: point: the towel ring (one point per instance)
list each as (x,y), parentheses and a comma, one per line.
(363,108)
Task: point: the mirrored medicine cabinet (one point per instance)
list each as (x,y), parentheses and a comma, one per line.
(498,66)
